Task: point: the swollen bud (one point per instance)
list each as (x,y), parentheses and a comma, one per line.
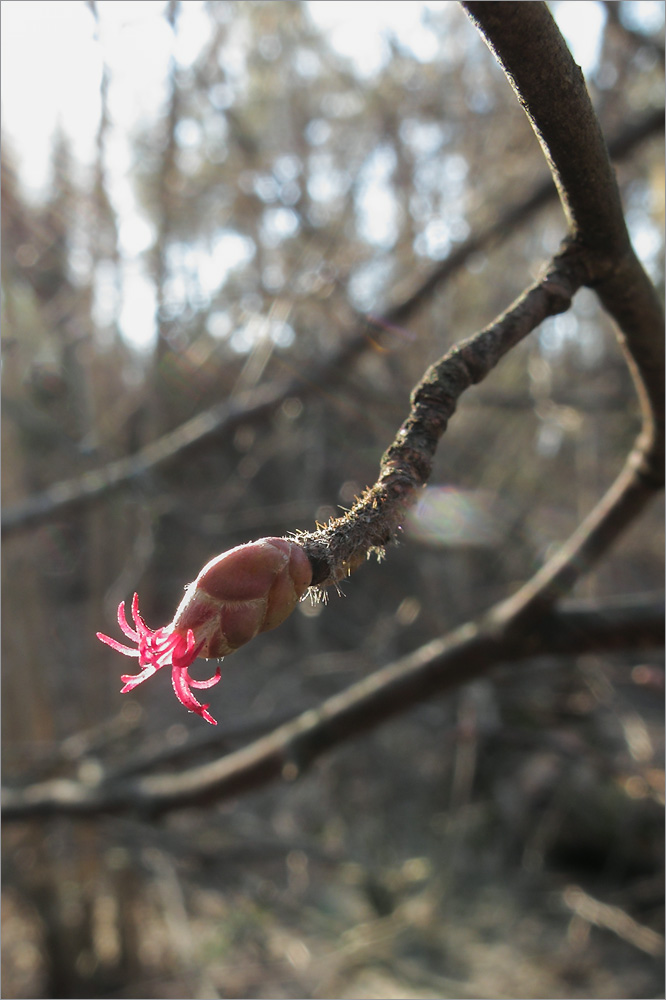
(245,591)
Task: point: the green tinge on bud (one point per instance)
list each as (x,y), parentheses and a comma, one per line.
(245,591)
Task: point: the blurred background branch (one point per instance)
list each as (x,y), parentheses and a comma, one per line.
(442,665)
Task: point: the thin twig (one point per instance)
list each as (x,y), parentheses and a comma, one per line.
(339,547)
(551,89)
(250,407)
(614,919)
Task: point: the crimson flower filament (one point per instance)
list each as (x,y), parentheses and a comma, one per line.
(158,648)
(237,595)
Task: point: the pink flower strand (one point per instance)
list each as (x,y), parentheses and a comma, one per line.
(237,595)
(157,649)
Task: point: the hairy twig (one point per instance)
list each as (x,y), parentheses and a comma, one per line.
(551,89)
(339,547)
(445,663)
(253,406)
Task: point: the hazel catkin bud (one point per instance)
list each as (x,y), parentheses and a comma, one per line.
(245,591)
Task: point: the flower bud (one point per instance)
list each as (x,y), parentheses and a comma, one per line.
(245,591)
(237,595)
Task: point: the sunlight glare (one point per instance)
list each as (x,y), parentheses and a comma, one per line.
(582,25)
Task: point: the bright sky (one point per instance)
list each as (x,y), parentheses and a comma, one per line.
(133,34)
(52,59)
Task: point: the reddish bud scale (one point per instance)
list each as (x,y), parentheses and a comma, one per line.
(237,595)
(243,592)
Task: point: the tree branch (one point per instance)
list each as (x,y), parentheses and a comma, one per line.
(207,427)
(552,91)
(598,253)
(443,664)
(338,548)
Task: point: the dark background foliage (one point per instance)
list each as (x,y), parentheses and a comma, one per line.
(436,856)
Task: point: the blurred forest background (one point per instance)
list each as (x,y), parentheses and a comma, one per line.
(310,223)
